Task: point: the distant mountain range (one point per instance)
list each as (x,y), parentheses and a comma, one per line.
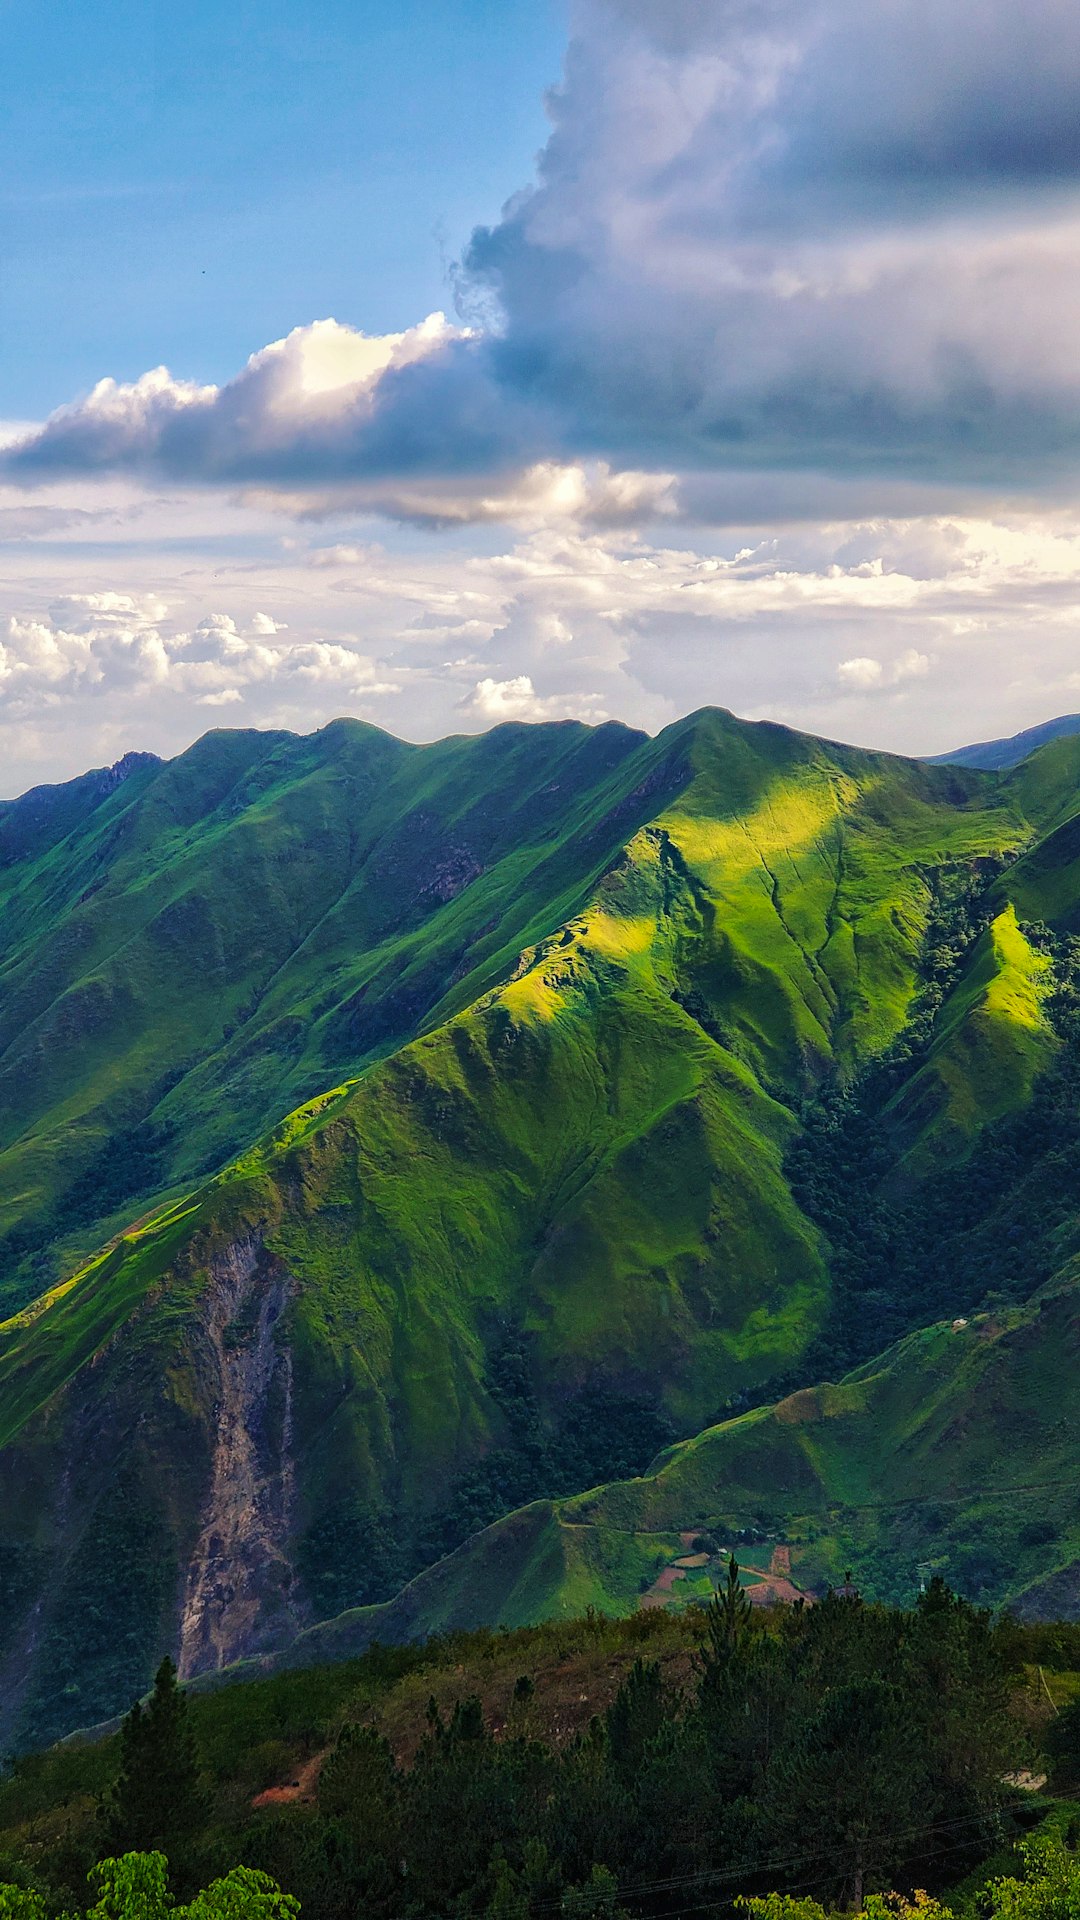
(398,1142)
(993,755)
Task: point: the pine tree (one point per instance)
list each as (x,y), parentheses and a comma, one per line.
(636,1718)
(728,1619)
(158,1796)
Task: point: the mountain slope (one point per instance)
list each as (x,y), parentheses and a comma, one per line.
(956,1453)
(519,1248)
(190,949)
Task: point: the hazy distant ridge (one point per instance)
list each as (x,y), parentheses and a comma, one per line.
(994,755)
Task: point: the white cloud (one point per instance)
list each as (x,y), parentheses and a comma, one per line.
(912,665)
(494,701)
(86,612)
(102,645)
(861,672)
(343,555)
(503,699)
(864,672)
(971,618)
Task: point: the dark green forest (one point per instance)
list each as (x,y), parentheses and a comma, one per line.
(829,1752)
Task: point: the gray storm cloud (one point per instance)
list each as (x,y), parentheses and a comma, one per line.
(835,237)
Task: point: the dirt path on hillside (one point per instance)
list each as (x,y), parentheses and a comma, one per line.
(301,1789)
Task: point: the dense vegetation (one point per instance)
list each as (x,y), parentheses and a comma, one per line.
(830,1752)
(970,1232)
(1045,1885)
(353,1556)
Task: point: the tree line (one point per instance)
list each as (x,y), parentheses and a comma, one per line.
(828,1753)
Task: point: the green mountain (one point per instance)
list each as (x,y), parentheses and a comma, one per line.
(628,1082)
(191,949)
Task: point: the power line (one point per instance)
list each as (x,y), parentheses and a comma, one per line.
(776,1863)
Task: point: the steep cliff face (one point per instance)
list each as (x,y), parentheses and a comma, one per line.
(149,1505)
(238,1595)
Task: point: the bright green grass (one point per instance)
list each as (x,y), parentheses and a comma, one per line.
(222,937)
(992,1041)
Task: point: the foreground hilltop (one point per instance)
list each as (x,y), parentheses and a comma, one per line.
(585,1766)
(581,1038)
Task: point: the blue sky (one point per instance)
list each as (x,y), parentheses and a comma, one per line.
(182,184)
(489,360)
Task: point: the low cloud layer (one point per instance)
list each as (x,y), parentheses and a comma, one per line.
(88,647)
(821,237)
(180,614)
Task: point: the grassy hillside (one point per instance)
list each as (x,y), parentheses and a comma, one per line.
(991,1041)
(190,949)
(516,1252)
(955,1454)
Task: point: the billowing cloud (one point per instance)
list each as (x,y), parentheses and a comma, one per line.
(309,407)
(492,701)
(766,237)
(112,646)
(865,672)
(823,234)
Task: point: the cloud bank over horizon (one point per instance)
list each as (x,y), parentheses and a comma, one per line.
(177,614)
(763,392)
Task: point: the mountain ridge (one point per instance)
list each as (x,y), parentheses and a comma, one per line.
(179,870)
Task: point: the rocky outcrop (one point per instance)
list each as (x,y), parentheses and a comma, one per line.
(456,870)
(238,1592)
(109,778)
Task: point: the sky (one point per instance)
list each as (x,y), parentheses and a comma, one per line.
(486,361)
